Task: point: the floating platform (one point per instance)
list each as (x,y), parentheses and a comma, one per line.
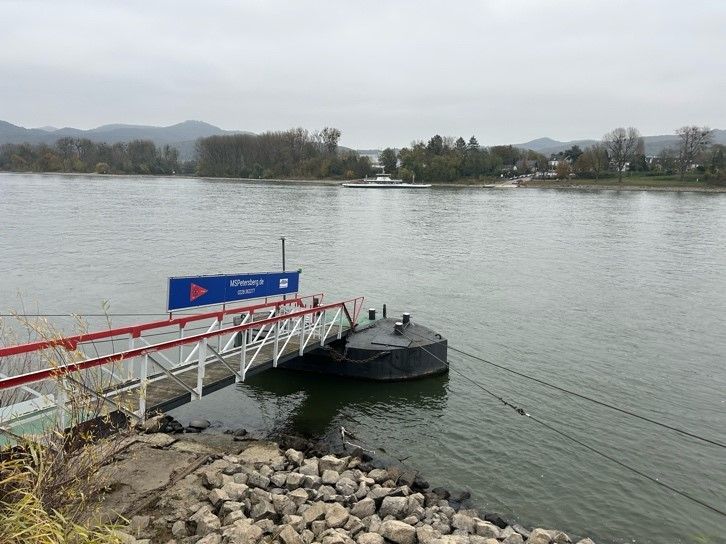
(385,350)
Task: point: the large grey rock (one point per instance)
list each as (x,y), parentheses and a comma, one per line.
(235,491)
(335,538)
(212,538)
(486,529)
(288,535)
(318,527)
(267,525)
(585,541)
(363,509)
(558,537)
(298,496)
(208,523)
(242,532)
(514,538)
(330,477)
(283,505)
(414,501)
(315,512)
(393,506)
(464,522)
(353,526)
(442,527)
(262,510)
(539,536)
(240,478)
(327,493)
(378,493)
(330,462)
(294,521)
(217,497)
(336,516)
(398,532)
(452,539)
(294,480)
(179,529)
(346,487)
(199,423)
(370,538)
(278,479)
(255,479)
(232,517)
(476,539)
(295,457)
(426,534)
(378,475)
(256,495)
(310,467)
(362,491)
(308,536)
(312,482)
(229,507)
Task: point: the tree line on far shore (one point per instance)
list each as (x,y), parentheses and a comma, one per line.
(83,155)
(294,153)
(298,153)
(620,151)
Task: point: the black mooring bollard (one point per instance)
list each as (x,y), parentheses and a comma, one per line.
(384,311)
(372,314)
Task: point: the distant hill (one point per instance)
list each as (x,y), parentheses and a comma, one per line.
(182,135)
(653,144)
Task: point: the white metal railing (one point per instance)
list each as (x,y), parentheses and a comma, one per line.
(253,338)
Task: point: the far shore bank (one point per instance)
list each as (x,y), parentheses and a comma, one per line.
(608,185)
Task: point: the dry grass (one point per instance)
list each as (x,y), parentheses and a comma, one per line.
(48,480)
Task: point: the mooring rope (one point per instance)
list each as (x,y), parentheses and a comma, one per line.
(587,398)
(522,412)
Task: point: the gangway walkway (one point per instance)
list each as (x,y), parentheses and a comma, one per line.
(163,363)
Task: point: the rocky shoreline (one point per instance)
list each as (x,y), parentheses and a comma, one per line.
(214,488)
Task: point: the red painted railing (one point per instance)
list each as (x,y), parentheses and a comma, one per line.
(39,375)
(71,342)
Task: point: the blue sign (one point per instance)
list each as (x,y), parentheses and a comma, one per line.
(193,291)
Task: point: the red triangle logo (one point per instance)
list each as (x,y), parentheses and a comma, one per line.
(195,292)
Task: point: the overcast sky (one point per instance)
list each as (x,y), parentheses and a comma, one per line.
(384,72)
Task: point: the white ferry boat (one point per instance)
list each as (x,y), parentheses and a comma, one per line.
(384,181)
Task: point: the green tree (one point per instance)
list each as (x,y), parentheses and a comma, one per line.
(435,145)
(389,160)
(573,153)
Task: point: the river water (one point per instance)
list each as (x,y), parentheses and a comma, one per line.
(617,295)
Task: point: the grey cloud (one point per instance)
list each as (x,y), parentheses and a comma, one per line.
(385,73)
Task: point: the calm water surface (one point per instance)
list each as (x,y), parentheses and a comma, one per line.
(619,295)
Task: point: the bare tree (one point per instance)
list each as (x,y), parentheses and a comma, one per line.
(693,140)
(621,145)
(593,160)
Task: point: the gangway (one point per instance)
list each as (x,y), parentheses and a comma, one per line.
(164,363)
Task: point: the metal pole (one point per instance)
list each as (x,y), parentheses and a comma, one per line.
(282,239)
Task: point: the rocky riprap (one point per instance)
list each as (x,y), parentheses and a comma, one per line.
(265,495)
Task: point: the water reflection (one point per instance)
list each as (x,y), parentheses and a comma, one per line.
(317,405)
